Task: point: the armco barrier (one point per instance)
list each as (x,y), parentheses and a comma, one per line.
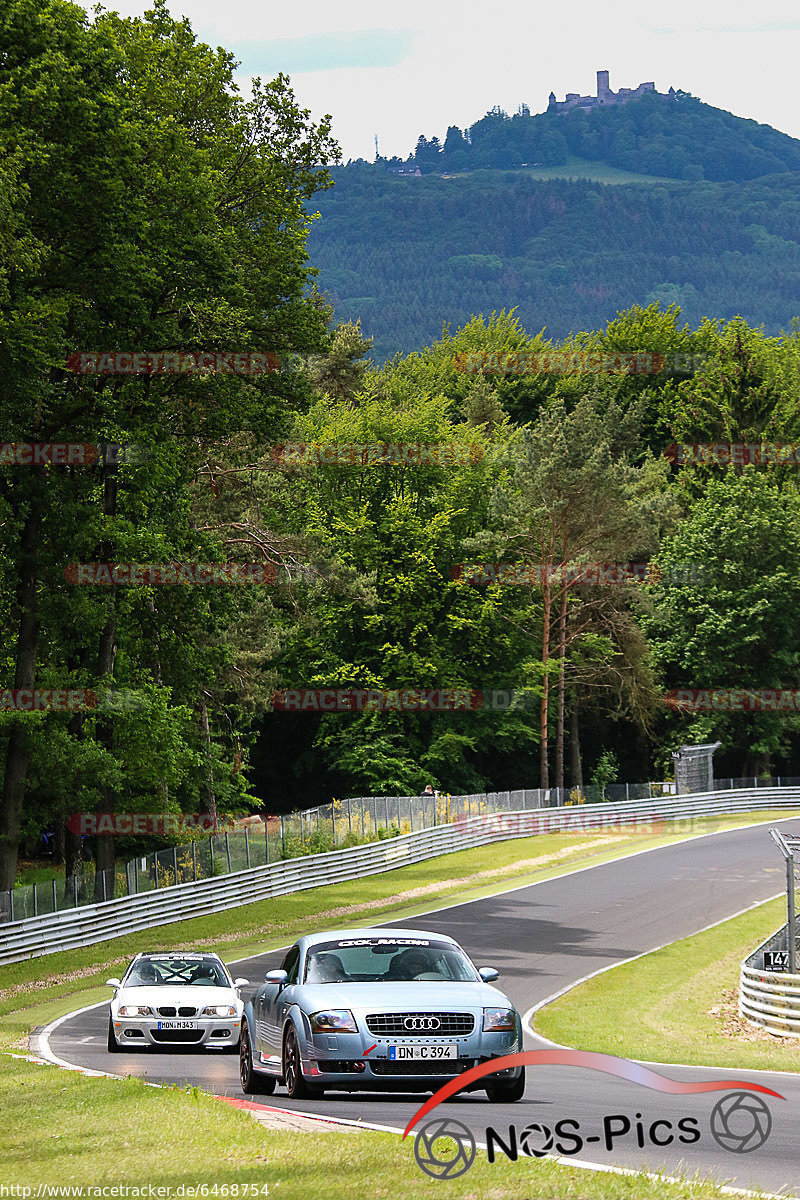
(770,999)
(112,918)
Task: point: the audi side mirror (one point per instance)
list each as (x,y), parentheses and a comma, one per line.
(115,983)
(240,982)
(278,977)
(488,974)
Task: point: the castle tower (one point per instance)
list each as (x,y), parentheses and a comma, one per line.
(603,89)
(552,103)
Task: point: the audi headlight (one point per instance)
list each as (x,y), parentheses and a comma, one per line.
(499,1020)
(333,1020)
(219,1010)
(135,1010)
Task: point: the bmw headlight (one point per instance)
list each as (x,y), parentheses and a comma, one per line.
(499,1020)
(333,1020)
(135,1010)
(219,1010)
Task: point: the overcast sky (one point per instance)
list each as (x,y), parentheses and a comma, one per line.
(417,67)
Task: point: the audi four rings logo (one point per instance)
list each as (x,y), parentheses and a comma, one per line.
(422,1022)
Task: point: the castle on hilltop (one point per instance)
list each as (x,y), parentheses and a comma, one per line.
(604,96)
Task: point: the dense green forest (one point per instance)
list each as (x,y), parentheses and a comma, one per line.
(717,232)
(408,255)
(360,586)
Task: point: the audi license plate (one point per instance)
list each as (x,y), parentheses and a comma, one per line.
(426,1050)
(177,1025)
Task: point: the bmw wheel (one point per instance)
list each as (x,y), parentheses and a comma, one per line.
(254,1083)
(113,1045)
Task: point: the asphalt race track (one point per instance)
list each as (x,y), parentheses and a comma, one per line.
(542,938)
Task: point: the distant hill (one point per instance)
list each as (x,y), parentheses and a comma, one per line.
(675,136)
(408,254)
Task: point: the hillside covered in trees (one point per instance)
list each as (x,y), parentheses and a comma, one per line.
(675,136)
(407,255)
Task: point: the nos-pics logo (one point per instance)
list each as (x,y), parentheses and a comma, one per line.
(740,1122)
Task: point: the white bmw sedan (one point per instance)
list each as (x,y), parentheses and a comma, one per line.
(171,1000)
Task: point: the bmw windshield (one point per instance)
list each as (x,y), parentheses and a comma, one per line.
(194,972)
(378,960)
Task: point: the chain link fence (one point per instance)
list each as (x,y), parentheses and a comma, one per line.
(351,822)
(70,891)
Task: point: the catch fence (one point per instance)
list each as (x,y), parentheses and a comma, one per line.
(339,824)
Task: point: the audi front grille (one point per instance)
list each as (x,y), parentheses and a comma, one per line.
(421,1024)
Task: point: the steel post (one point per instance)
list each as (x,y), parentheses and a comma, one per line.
(790,924)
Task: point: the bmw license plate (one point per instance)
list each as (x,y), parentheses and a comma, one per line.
(177,1025)
(426,1050)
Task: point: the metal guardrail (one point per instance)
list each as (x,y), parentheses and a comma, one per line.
(770,999)
(48,934)
(349,822)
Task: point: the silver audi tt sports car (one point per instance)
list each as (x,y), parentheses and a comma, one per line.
(382,1009)
(170,1000)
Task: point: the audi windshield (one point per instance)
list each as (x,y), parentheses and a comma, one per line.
(378,960)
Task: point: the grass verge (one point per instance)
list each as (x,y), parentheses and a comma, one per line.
(105,1132)
(677,1005)
(38,990)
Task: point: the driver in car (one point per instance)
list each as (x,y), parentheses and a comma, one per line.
(326,968)
(410,964)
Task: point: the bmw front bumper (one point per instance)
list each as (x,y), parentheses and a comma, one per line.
(207,1032)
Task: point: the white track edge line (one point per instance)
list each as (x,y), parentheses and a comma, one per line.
(45,1034)
(540,1037)
(580,1164)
